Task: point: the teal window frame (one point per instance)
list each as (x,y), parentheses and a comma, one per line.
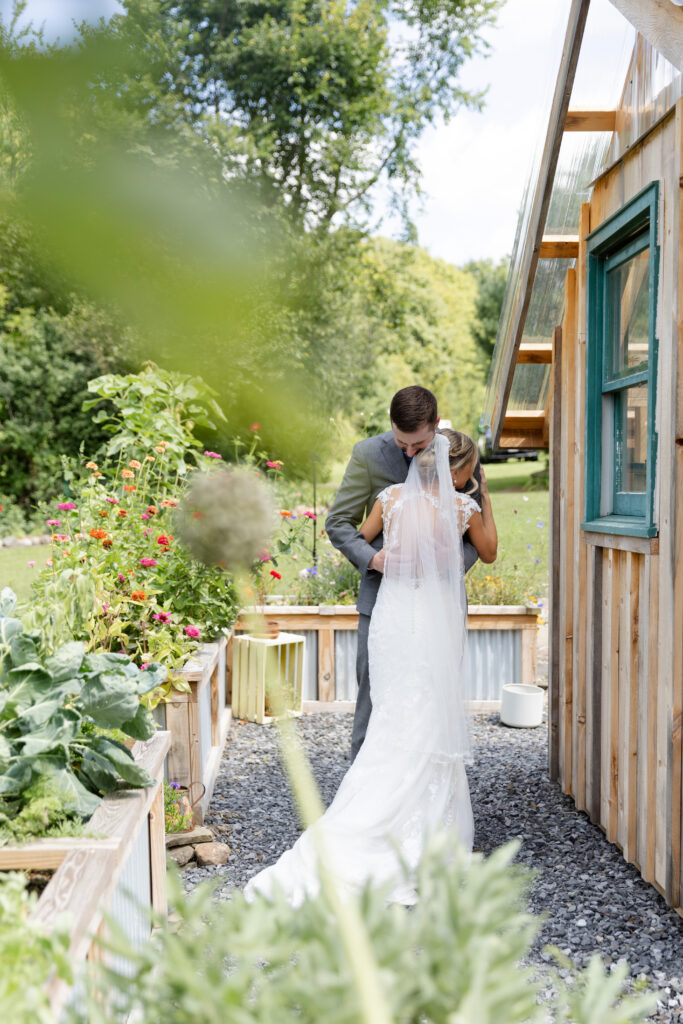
(622,236)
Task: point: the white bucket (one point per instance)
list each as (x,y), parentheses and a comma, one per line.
(521,705)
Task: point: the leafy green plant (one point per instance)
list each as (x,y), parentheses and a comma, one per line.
(30,954)
(454,957)
(57,754)
(151,408)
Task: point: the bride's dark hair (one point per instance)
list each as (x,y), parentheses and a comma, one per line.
(461,450)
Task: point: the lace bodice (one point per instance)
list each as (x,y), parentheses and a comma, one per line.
(391,500)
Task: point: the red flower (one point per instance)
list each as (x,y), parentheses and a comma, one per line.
(122,513)
(107,542)
(277,575)
(130,487)
(255,426)
(164,540)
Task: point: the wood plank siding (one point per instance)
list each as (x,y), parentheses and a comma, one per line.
(616,659)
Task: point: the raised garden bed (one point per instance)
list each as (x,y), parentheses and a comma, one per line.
(198,722)
(501,650)
(122,873)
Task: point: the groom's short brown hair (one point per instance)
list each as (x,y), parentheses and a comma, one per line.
(412,407)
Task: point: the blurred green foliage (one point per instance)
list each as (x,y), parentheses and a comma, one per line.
(456,956)
(204,173)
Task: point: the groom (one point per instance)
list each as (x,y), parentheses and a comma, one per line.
(376,463)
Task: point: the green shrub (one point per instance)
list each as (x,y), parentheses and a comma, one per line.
(452,959)
(30,954)
(57,712)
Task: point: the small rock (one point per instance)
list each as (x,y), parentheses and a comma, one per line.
(182,855)
(212,854)
(201,834)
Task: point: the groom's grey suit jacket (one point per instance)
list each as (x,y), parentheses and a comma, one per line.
(376,463)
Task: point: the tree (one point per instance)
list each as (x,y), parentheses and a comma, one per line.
(310,100)
(490,278)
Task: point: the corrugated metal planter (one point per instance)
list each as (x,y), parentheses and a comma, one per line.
(198,722)
(501,649)
(123,874)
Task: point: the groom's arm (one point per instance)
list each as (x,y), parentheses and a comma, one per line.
(348,511)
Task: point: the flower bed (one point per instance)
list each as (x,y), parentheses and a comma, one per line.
(123,873)
(501,649)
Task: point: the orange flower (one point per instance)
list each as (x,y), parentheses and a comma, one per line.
(98,534)
(138,595)
(169,502)
(134,464)
(284,513)
(107,542)
(127,474)
(104,512)
(152,510)
(159,448)
(91,465)
(123,513)
(96,475)
(130,487)
(149,458)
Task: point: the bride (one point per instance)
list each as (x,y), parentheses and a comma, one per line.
(408,780)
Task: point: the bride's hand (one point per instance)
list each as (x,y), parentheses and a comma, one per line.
(377,561)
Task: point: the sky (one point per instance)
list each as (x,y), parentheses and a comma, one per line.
(475,167)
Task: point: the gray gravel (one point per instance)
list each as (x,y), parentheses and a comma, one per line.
(593,899)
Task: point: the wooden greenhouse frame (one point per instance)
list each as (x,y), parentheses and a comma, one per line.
(616,600)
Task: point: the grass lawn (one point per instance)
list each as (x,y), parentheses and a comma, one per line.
(15,571)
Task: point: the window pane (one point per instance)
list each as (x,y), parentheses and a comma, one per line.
(631,439)
(628,315)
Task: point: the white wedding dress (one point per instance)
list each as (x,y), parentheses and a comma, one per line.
(408,780)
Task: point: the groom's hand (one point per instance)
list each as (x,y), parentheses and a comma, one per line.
(377,561)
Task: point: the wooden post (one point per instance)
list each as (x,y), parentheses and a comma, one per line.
(157,852)
(326,683)
(555,566)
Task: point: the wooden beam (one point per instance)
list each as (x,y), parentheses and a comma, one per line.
(535,352)
(524,419)
(576,24)
(559,247)
(660,22)
(590,121)
(510,439)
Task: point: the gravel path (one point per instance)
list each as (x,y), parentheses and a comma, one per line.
(594,901)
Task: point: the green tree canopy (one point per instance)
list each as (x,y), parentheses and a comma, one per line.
(312,101)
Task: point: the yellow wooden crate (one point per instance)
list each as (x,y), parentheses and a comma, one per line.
(264,666)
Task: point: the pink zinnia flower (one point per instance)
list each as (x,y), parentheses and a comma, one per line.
(309,515)
(144,665)
(275,464)
(122,578)
(53,522)
(255,426)
(64,506)
(148,562)
(145,516)
(213,455)
(163,617)
(49,562)
(31,563)
(192,631)
(112,501)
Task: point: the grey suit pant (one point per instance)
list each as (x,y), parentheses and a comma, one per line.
(363,702)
